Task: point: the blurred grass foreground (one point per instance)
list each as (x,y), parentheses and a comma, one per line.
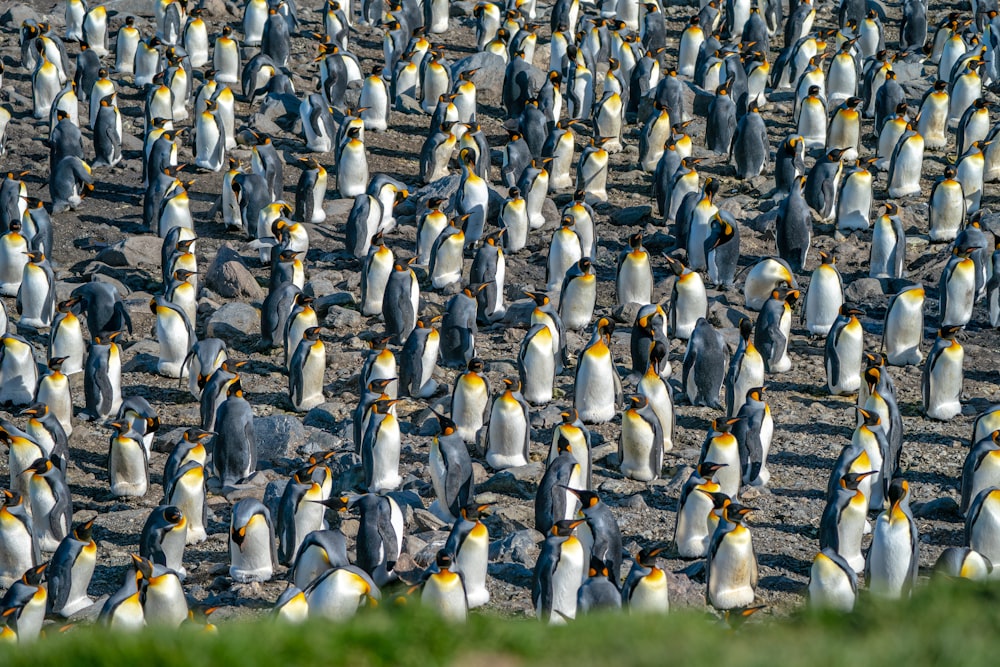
(943,624)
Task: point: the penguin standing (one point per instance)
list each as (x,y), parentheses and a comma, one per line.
(731,567)
(103,378)
(468,544)
(252,551)
(380,536)
(824,297)
(597,377)
(753,432)
(508,432)
(772,331)
(891,567)
(904,327)
(235,444)
(981,524)
(451,471)
(400,302)
(704,368)
(688,300)
(640,444)
(942,376)
(645,589)
(163,537)
(558,574)
(843,351)
(18,549)
(306,370)
(833,584)
(443,590)
(793,228)
(947,211)
(634,282)
(36,293)
(746,370)
(419,359)
(843,521)
(50,503)
(723,449)
(957,289)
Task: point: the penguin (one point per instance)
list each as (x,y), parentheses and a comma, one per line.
(904,326)
(974,125)
(470,401)
(964,563)
(823,183)
(906,165)
(890,135)
(489,268)
(941,385)
(430,225)
(891,567)
(933,118)
(720,126)
(123,610)
(688,300)
(693,529)
(163,538)
(251,542)
(750,149)
(459,329)
(126,44)
(855,200)
(765,276)
(704,366)
(597,377)
(845,128)
(299,515)
(380,536)
(824,297)
(50,503)
(970,173)
(947,210)
(598,591)
(419,359)
(18,548)
(843,521)
(36,293)
(645,590)
(176,335)
(45,84)
(771,333)
(352,165)
(18,371)
(753,432)
(128,461)
(508,431)
(731,565)
(468,546)
(24,451)
(451,470)
(537,364)
(558,574)
(400,302)
(235,444)
(564,251)
(375,275)
(592,170)
(722,448)
(833,584)
(443,589)
(578,295)
(746,370)
(957,289)
(306,370)
(185,489)
(163,601)
(979,469)
(319,551)
(447,255)
(640,443)
(634,281)
(24,605)
(843,352)
(981,524)
(334,595)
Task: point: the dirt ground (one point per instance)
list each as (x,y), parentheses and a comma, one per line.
(810,426)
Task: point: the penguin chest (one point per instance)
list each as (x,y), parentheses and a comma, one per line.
(823,300)
(595,384)
(473,555)
(577,303)
(507,433)
(189,496)
(635,279)
(468,407)
(429,357)
(13,258)
(984,534)
(638,447)
(128,615)
(723,449)
(657,394)
(945,383)
(445,593)
(311,563)
(337,596)
(308,515)
(689,304)
(541,317)
(855,203)
(80,576)
(891,555)
(961,291)
(693,532)
(986,476)
(829,586)
(947,211)
(251,561)
(385,469)
(164,603)
(566,577)
(42,500)
(447,260)
(128,468)
(733,570)
(15,548)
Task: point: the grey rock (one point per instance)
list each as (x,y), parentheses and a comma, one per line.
(339,317)
(323,416)
(626,313)
(323,303)
(230,278)
(424,521)
(133,251)
(519,312)
(864,291)
(635,502)
(940,508)
(490,72)
(518,547)
(233,321)
(633,215)
(16,15)
(547,417)
(507,484)
(278,437)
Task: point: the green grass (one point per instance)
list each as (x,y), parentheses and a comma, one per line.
(943,624)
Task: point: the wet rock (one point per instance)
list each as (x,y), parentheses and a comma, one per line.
(230,278)
(233,321)
(278,437)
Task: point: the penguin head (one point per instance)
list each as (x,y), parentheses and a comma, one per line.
(235,390)
(605,328)
(637,402)
(196,435)
(33,576)
(587,498)
(563,444)
(755,394)
(476,365)
(10,498)
(746,328)
(474,511)
(848,309)
(40,466)
(949,332)
(719,499)
(736,513)
(312,333)
(337,503)
(707,469)
(565,527)
(852,480)
(899,490)
(723,425)
(835,155)
(598,568)
(446,424)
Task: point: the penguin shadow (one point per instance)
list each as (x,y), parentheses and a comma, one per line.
(513,574)
(798,460)
(929,477)
(808,494)
(783,562)
(277,399)
(985,376)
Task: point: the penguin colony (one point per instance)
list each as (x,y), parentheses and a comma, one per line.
(599,80)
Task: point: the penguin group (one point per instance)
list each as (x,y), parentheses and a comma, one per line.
(427,253)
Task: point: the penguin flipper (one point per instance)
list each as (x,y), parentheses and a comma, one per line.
(387,533)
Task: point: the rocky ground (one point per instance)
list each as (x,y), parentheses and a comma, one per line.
(810,426)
